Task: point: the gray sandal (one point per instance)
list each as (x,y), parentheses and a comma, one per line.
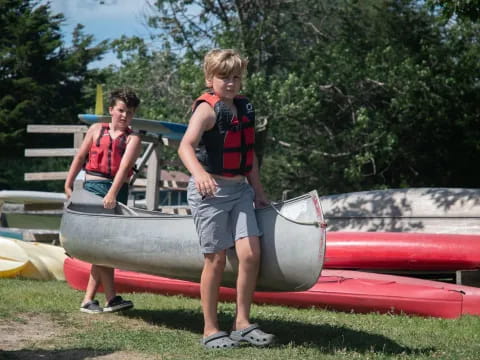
(253,335)
(219,340)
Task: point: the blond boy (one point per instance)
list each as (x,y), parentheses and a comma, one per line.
(218,151)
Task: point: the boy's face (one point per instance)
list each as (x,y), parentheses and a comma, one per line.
(226,87)
(121,114)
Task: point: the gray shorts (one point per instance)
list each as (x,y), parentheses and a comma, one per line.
(224,218)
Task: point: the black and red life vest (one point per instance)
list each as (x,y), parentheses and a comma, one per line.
(106,153)
(228,148)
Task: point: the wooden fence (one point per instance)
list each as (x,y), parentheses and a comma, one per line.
(150,159)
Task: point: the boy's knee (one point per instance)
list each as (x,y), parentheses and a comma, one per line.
(252,257)
(220,263)
(216,261)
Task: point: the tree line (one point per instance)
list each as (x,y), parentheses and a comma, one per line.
(355,95)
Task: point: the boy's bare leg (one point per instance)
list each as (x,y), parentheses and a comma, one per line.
(92,285)
(248,253)
(99,275)
(107,277)
(213,267)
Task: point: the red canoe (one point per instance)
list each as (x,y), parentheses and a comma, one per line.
(335,289)
(401,251)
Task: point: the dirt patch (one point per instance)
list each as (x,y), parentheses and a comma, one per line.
(71,355)
(123,355)
(27,330)
(36,331)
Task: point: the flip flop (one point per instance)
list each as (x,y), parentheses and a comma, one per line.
(219,340)
(253,335)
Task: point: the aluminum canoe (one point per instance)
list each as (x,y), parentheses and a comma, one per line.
(293,244)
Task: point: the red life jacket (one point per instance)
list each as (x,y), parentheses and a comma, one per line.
(106,153)
(228,148)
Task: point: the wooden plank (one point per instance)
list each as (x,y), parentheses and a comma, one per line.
(153,180)
(164,184)
(78,139)
(57,129)
(50,152)
(40,176)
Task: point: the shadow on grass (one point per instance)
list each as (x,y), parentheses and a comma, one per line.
(75,354)
(327,338)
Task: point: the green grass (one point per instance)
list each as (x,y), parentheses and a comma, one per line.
(161,327)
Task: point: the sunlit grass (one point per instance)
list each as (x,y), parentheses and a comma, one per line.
(170,328)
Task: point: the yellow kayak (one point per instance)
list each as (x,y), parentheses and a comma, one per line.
(45,261)
(13,257)
(31,260)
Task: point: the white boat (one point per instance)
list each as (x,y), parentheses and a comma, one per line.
(419,210)
(31,197)
(32,209)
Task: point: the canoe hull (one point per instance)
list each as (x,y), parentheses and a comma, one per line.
(167,245)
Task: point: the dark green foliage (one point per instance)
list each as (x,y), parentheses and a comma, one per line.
(358,95)
(41,80)
(163,80)
(463,9)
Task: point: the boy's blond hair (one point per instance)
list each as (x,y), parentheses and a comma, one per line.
(222,63)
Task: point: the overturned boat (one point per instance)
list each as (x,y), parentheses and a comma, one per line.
(152,242)
(412,210)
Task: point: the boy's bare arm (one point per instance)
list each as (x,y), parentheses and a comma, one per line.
(203,119)
(253,178)
(131,154)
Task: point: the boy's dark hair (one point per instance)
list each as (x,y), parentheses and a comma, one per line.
(126,95)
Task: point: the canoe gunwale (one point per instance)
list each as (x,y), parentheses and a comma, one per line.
(159,215)
(319,222)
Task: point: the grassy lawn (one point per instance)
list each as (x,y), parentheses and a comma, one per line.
(40,320)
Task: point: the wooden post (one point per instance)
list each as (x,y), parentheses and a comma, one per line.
(78,139)
(153,180)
